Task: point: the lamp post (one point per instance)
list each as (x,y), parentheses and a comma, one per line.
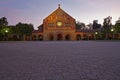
(6,31)
(6,34)
(96,33)
(112,31)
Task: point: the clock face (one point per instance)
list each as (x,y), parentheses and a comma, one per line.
(59,24)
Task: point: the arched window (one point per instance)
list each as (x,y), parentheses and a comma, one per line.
(78,37)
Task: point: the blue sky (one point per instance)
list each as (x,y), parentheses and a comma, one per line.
(34,11)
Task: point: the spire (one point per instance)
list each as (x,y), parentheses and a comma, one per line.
(58,5)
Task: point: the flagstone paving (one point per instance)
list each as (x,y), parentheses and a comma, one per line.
(60,60)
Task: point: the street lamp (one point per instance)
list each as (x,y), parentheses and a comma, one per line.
(96,33)
(6,31)
(112,31)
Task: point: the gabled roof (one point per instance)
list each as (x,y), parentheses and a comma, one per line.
(59,11)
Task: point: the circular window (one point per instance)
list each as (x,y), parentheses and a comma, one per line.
(59,24)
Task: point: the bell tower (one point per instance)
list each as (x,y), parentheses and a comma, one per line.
(59,5)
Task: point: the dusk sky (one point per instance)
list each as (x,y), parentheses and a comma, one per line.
(34,11)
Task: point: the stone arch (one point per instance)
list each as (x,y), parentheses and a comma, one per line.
(67,37)
(40,37)
(116,36)
(59,37)
(91,37)
(34,37)
(85,37)
(78,37)
(14,37)
(51,37)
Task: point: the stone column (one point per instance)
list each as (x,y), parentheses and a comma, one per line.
(17,36)
(55,36)
(24,37)
(63,37)
(30,37)
(45,38)
(88,36)
(36,37)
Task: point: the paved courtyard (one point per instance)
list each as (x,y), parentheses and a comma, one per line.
(82,60)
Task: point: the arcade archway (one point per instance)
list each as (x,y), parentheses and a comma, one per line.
(67,37)
(51,37)
(34,37)
(85,37)
(78,37)
(40,37)
(59,37)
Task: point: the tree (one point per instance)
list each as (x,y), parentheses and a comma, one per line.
(13,29)
(80,25)
(24,29)
(3,22)
(96,25)
(3,25)
(89,26)
(117,26)
(5,33)
(118,21)
(107,25)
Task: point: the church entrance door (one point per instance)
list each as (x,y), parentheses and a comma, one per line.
(59,37)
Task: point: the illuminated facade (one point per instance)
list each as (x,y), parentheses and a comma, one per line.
(60,26)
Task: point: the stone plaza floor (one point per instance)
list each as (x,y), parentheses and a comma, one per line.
(60,60)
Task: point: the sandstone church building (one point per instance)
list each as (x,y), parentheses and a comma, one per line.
(59,25)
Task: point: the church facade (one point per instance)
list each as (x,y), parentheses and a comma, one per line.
(59,25)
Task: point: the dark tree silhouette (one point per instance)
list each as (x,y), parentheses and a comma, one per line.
(80,25)
(3,21)
(117,26)
(24,29)
(3,24)
(107,25)
(96,25)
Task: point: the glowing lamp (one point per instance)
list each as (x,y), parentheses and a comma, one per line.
(96,33)
(6,31)
(112,30)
